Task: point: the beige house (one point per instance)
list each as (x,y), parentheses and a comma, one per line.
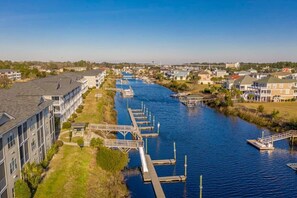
(272,89)
(205,77)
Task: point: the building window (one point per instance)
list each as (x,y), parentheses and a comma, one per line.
(13,165)
(20,134)
(11,140)
(4,194)
(33,144)
(55,98)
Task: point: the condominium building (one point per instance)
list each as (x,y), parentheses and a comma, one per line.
(64,91)
(272,89)
(26,133)
(232,65)
(11,74)
(94,77)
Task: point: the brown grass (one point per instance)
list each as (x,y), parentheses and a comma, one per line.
(287,110)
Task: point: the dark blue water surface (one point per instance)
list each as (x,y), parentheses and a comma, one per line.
(216,148)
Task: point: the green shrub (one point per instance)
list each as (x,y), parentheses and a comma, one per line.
(78,110)
(21,189)
(111,160)
(96,142)
(32,174)
(74,115)
(80,142)
(44,163)
(66,125)
(59,143)
(50,154)
(260,109)
(80,106)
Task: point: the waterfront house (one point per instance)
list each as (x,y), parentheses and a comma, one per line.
(180,75)
(243,83)
(272,89)
(228,84)
(11,74)
(27,131)
(205,77)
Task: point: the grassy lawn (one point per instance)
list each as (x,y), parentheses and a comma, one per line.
(74,173)
(90,112)
(65,138)
(287,110)
(99,110)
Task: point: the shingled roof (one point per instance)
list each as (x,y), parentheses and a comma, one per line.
(19,108)
(245,80)
(272,79)
(54,85)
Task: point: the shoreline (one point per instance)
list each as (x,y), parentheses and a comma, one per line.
(277,125)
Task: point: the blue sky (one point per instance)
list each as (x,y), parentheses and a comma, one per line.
(166,31)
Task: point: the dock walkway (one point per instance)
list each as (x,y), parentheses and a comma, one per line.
(154,178)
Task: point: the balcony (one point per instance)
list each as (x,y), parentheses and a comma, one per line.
(2,184)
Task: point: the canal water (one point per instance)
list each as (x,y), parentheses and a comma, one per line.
(216,148)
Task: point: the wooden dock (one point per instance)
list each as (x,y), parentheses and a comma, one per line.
(136,110)
(140,118)
(170,179)
(143,122)
(149,173)
(259,145)
(138,113)
(154,177)
(164,162)
(146,128)
(149,135)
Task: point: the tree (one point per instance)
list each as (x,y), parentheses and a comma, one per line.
(32,174)
(260,109)
(80,142)
(66,125)
(21,189)
(96,142)
(5,82)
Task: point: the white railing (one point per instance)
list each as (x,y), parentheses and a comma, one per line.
(110,127)
(277,137)
(143,161)
(115,128)
(116,143)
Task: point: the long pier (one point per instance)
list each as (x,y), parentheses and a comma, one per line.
(149,173)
